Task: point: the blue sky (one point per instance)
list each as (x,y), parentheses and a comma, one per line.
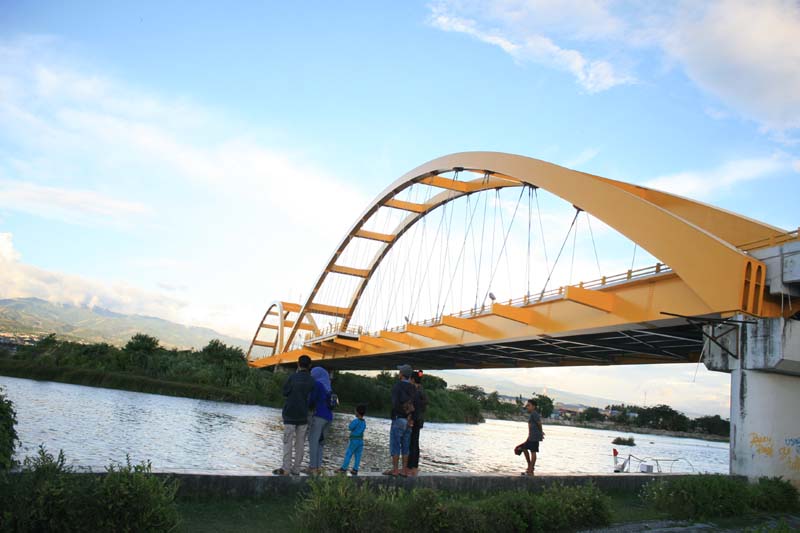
(197,161)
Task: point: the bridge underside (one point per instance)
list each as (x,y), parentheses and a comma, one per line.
(676,344)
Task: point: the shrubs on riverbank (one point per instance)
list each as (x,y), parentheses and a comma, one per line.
(217,372)
(716,495)
(48,495)
(339,504)
(8,434)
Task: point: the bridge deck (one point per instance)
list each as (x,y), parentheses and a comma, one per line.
(674,344)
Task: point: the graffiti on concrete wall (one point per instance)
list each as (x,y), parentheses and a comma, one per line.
(790,453)
(762,444)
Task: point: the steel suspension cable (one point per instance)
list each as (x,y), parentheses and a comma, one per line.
(480,255)
(596,257)
(574,241)
(528,254)
(550,275)
(426,270)
(505,241)
(463,246)
(541,227)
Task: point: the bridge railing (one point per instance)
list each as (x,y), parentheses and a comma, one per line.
(552,294)
(771,241)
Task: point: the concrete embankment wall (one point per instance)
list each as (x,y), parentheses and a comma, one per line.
(206,486)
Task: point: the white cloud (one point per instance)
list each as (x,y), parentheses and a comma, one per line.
(746,53)
(698,184)
(70,205)
(21,280)
(88,149)
(594,75)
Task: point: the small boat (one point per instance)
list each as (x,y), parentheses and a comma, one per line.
(648,465)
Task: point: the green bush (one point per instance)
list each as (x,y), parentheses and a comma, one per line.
(49,495)
(624,441)
(341,504)
(338,504)
(8,434)
(132,499)
(716,495)
(773,495)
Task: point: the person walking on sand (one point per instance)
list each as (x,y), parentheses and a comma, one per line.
(417,419)
(357,427)
(296,390)
(400,434)
(320,400)
(535,435)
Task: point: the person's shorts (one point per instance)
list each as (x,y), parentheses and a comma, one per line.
(532,446)
(399,437)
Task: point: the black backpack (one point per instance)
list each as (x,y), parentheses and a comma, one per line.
(333,401)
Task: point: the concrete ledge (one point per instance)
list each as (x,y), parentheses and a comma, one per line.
(231,486)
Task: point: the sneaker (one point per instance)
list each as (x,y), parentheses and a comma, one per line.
(354,472)
(341,471)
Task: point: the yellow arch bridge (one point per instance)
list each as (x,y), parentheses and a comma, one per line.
(708,272)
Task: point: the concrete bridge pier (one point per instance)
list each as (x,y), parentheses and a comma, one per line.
(765,394)
(763,358)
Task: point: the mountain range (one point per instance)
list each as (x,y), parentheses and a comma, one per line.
(94,324)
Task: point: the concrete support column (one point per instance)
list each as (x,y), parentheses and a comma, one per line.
(765,424)
(763,358)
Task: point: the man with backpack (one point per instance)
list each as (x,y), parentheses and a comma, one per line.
(402,410)
(296,390)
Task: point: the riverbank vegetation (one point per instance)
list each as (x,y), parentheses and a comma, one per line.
(217,372)
(8,432)
(338,504)
(662,417)
(49,495)
(491,403)
(716,496)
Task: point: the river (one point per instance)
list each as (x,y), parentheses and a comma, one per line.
(97,426)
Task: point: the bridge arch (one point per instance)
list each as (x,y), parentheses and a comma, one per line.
(685,234)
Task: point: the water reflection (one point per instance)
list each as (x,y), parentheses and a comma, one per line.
(95,426)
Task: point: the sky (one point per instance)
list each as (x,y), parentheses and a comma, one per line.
(195,161)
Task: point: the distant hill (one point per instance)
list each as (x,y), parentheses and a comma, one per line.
(94,324)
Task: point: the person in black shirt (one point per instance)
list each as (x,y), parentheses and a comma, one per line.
(535,435)
(402,409)
(295,416)
(417,420)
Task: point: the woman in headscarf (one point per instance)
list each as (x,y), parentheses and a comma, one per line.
(321,418)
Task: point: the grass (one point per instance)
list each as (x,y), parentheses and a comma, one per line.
(629,507)
(244,516)
(274,515)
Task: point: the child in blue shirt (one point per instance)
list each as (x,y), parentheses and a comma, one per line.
(356,446)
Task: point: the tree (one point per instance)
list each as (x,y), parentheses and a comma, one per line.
(663,417)
(473,391)
(590,414)
(142,343)
(715,425)
(544,404)
(433,382)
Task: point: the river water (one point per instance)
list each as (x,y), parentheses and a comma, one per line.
(97,426)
